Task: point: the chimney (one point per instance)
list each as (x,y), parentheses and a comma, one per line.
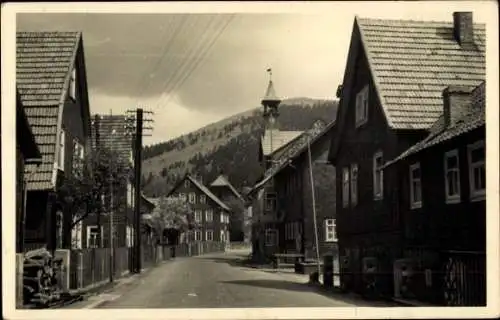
(463,28)
(457,101)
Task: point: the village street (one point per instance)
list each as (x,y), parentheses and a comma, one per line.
(217,281)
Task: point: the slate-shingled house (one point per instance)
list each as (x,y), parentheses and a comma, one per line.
(390,98)
(27,152)
(211,215)
(294,222)
(52,82)
(443,204)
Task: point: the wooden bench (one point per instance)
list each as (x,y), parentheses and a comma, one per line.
(279,256)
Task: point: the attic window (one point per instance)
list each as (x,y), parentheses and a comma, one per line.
(72,84)
(362,106)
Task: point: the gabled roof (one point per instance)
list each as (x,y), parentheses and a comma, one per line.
(474,119)
(113,135)
(294,150)
(44,61)
(411,62)
(279,140)
(223,181)
(203,189)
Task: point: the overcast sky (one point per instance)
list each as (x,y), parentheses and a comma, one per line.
(195,69)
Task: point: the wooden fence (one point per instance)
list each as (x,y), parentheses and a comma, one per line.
(91,267)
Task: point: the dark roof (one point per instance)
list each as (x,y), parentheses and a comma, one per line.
(295,149)
(474,119)
(25,137)
(113,135)
(223,181)
(203,189)
(44,61)
(412,62)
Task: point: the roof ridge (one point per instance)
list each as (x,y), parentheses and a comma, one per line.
(450,22)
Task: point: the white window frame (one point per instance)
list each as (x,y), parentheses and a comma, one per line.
(330,230)
(455,198)
(62,147)
(209,215)
(198,215)
(221,217)
(192,197)
(88,236)
(203,199)
(76,235)
(197,235)
(209,235)
(186,183)
(72,84)
(479,194)
(415,204)
(354,184)
(345,187)
(362,106)
(378,186)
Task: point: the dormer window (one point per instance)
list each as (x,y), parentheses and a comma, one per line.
(362,106)
(72,84)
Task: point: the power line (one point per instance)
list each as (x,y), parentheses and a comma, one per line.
(190,54)
(202,57)
(164,54)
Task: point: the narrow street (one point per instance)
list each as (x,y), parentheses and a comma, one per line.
(217,281)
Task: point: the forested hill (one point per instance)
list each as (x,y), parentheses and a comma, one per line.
(230,145)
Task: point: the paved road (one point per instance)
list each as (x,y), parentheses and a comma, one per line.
(217,281)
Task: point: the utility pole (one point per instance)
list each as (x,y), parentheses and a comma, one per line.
(313,204)
(137,177)
(97,146)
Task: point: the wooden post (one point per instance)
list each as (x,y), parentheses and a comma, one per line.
(138,162)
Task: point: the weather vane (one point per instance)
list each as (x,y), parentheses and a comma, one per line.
(270,71)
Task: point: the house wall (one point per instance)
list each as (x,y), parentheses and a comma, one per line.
(438,225)
(370,228)
(19,191)
(36,223)
(215,225)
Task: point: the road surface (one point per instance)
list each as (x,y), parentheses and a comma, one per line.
(217,281)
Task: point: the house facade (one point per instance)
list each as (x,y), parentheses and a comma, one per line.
(52,83)
(225,191)
(443,204)
(291,224)
(27,152)
(390,98)
(211,215)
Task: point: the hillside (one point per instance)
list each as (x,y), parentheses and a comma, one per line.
(230,145)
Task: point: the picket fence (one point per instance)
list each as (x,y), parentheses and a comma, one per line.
(86,268)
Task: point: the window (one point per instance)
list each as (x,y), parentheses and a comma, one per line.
(182,196)
(378,176)
(415,186)
(210,235)
(186,183)
(209,215)
(72,84)
(76,236)
(197,235)
(330,230)
(362,106)
(477,173)
(354,184)
(452,176)
(222,219)
(270,202)
(203,198)
(62,138)
(270,237)
(92,237)
(222,236)
(192,197)
(197,215)
(345,187)
(78,158)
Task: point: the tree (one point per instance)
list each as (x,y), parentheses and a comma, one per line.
(87,189)
(237,220)
(173,213)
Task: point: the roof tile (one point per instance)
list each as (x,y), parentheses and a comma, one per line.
(413,61)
